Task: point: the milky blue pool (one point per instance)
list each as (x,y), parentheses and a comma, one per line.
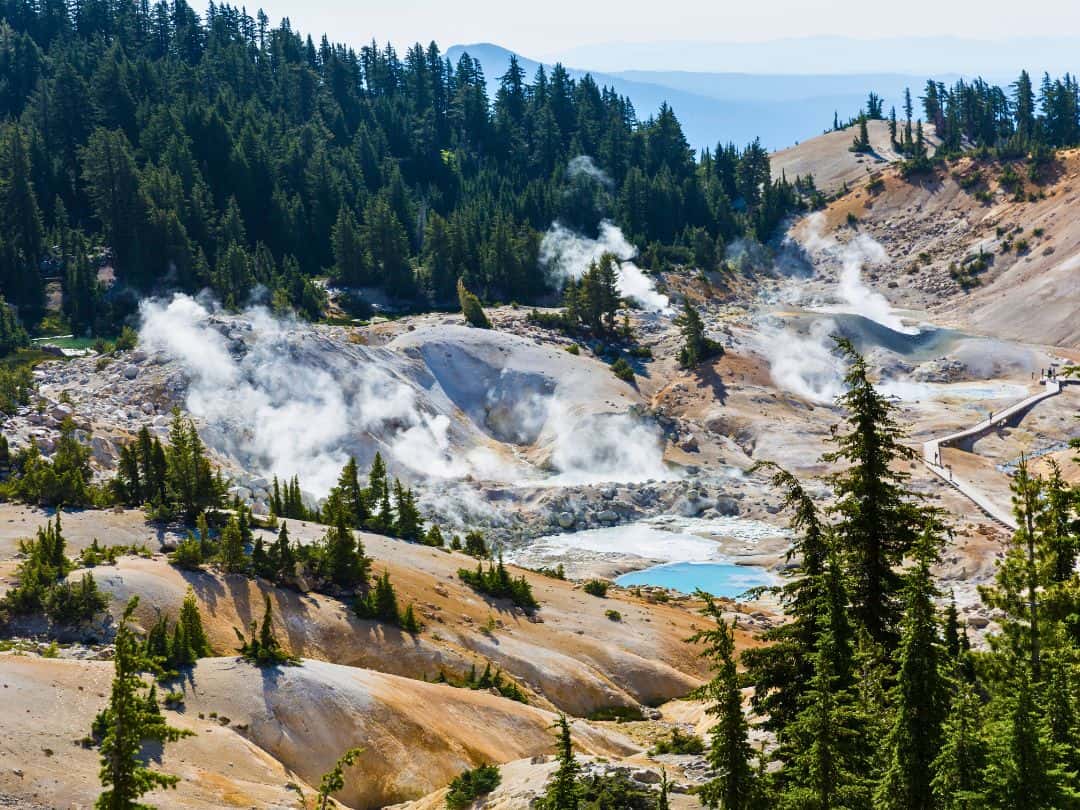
(717,578)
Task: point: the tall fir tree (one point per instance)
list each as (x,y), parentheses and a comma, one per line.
(733,787)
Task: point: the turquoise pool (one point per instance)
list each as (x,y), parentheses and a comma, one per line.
(717,578)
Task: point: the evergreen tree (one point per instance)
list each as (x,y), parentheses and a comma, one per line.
(562,792)
(471,308)
(825,744)
(918,699)
(1021,576)
(263,648)
(877,524)
(129,721)
(334,780)
(342,556)
(351,261)
(231,554)
(697,347)
(958,767)
(20,223)
(861,142)
(407,524)
(191,622)
(352,494)
(734,785)
(1022,773)
(282,559)
(781,668)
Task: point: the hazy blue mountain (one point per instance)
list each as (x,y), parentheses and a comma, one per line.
(714,107)
(999,59)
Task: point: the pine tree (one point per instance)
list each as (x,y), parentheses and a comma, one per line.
(734,785)
(951,633)
(781,668)
(697,347)
(377,480)
(276,503)
(334,780)
(351,260)
(918,699)
(562,791)
(662,797)
(958,767)
(263,648)
(826,743)
(407,524)
(877,524)
(343,560)
(471,308)
(352,494)
(231,554)
(129,720)
(409,622)
(260,560)
(1021,575)
(381,603)
(1022,773)
(191,621)
(861,142)
(20,222)
(282,558)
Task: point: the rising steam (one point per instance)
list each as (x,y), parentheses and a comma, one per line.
(285,398)
(806,365)
(568,254)
(856,254)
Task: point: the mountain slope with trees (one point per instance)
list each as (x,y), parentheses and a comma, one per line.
(218,151)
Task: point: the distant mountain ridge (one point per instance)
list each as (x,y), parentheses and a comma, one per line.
(722,107)
(995,60)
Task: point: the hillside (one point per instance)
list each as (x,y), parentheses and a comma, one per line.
(833,165)
(574,658)
(940,230)
(260,739)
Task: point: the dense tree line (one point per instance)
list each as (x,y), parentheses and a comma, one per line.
(175,479)
(1013,120)
(1020,120)
(219,151)
(872,691)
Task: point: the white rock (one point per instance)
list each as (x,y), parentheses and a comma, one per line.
(243,493)
(103,450)
(148,408)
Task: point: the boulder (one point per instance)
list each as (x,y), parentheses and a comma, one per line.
(103,450)
(566,519)
(727,506)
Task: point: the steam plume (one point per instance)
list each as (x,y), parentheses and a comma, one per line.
(859,252)
(285,398)
(568,255)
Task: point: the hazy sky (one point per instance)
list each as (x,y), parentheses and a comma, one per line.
(547,29)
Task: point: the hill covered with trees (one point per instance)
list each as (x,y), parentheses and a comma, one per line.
(217,151)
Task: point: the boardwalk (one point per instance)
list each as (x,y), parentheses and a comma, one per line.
(932,450)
